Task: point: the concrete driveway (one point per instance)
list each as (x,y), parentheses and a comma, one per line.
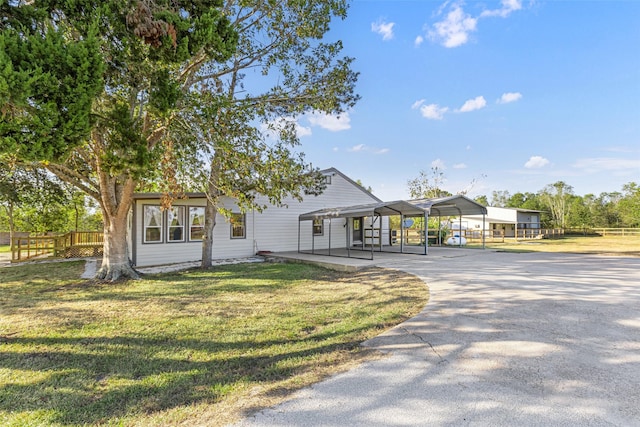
(506,339)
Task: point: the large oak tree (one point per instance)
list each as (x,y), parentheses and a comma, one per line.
(95,91)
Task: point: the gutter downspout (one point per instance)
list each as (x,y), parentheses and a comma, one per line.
(299,234)
(329,234)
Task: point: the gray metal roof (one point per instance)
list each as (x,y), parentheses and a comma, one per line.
(399,207)
(443,206)
(450,206)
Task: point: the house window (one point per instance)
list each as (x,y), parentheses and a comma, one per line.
(152,232)
(327,179)
(196,223)
(175,221)
(238,226)
(318,227)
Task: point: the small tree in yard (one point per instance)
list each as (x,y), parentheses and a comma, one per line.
(247,116)
(95,91)
(428,186)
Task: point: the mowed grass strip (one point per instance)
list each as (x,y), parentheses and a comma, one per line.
(603,245)
(199,347)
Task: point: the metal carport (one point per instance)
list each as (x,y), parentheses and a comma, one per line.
(457,205)
(443,206)
(372,210)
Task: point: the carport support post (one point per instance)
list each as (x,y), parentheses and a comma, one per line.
(402,217)
(299,235)
(426,233)
(483,234)
(347,237)
(364,240)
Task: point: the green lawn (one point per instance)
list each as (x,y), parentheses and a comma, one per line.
(606,245)
(192,348)
(5,249)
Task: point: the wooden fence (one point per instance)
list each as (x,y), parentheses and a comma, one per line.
(69,245)
(605,231)
(415,237)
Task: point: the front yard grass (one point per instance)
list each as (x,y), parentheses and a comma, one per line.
(194,347)
(5,249)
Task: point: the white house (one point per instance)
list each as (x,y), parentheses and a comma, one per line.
(175,235)
(525,222)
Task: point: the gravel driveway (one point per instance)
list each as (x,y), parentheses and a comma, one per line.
(506,339)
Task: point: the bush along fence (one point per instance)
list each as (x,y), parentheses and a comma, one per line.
(69,245)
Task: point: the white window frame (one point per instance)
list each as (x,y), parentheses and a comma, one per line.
(233,225)
(145,226)
(318,223)
(179,213)
(192,210)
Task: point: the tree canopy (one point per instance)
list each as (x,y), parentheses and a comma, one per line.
(245,120)
(92,90)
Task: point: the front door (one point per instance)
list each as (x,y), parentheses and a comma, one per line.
(357,230)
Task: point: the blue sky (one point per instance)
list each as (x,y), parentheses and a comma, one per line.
(510,94)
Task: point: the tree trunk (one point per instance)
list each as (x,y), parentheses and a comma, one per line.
(116,201)
(115,260)
(12,225)
(211,211)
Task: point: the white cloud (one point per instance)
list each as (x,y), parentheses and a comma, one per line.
(433,111)
(360,148)
(459,166)
(468,147)
(385,29)
(613,164)
(418,41)
(454,29)
(473,104)
(508,6)
(302,130)
(272,128)
(438,163)
(536,162)
(417,104)
(509,97)
(331,122)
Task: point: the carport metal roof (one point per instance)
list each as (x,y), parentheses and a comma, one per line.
(399,207)
(450,206)
(443,206)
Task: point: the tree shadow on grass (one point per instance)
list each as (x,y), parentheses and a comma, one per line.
(98,380)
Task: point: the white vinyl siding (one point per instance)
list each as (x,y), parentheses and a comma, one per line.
(191,249)
(275,229)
